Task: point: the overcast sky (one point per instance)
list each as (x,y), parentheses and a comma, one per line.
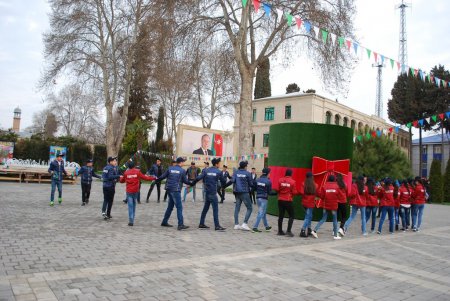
(22,23)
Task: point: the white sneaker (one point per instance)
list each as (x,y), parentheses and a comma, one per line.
(341,232)
(337,237)
(245,227)
(314,234)
(237,227)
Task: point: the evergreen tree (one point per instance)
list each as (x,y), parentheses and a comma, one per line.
(436,182)
(447,182)
(262,84)
(160,128)
(292,88)
(379,157)
(310,91)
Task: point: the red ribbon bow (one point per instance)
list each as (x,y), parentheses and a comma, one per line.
(322,168)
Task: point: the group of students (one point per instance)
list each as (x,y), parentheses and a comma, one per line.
(399,201)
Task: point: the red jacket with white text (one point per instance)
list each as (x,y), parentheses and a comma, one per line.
(286,189)
(329,194)
(132,177)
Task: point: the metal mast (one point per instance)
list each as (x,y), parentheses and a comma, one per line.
(379,93)
(403,47)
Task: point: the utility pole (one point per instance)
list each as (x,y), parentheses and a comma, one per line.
(403,47)
(379,92)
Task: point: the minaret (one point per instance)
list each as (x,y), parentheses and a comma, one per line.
(16,120)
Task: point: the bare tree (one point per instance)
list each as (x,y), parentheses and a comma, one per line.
(95,40)
(75,110)
(216,82)
(254,38)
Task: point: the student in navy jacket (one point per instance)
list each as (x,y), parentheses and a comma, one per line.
(242,184)
(211,176)
(86,172)
(176,176)
(110,177)
(263,190)
(56,169)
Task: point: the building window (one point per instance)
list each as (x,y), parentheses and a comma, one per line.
(328,118)
(345,122)
(253,140)
(353,124)
(424,149)
(287,112)
(337,119)
(437,149)
(366,129)
(254,115)
(265,140)
(269,114)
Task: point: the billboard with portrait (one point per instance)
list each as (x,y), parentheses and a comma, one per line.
(203,142)
(6,151)
(55,150)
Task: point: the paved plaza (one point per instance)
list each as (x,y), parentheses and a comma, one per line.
(69,252)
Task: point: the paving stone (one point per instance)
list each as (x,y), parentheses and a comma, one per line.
(68,252)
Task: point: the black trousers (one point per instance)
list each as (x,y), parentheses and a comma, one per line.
(158,188)
(253,196)
(342,213)
(108,198)
(85,192)
(221,192)
(284,206)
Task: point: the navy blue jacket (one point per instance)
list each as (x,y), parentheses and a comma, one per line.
(176,176)
(87,172)
(110,176)
(57,170)
(153,171)
(263,187)
(242,181)
(211,176)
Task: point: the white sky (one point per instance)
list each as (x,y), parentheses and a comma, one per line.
(22,23)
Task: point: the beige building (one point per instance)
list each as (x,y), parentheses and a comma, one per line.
(311,108)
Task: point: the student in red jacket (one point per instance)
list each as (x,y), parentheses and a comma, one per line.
(404,195)
(358,202)
(286,191)
(308,191)
(132,177)
(371,203)
(418,200)
(386,194)
(329,194)
(342,202)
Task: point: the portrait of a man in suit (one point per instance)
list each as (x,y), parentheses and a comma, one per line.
(204,149)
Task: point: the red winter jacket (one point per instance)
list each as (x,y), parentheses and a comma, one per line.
(342,195)
(132,177)
(371,200)
(356,198)
(387,197)
(286,189)
(418,195)
(329,193)
(404,195)
(308,200)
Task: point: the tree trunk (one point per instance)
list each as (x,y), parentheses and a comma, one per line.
(410,149)
(245,116)
(420,151)
(111,149)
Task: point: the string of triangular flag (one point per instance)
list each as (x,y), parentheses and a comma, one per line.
(416,123)
(198,158)
(353,47)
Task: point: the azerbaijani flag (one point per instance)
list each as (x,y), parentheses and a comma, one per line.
(217,145)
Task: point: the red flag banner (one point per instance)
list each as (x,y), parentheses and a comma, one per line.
(217,145)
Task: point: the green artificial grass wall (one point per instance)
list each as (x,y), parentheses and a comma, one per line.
(294,145)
